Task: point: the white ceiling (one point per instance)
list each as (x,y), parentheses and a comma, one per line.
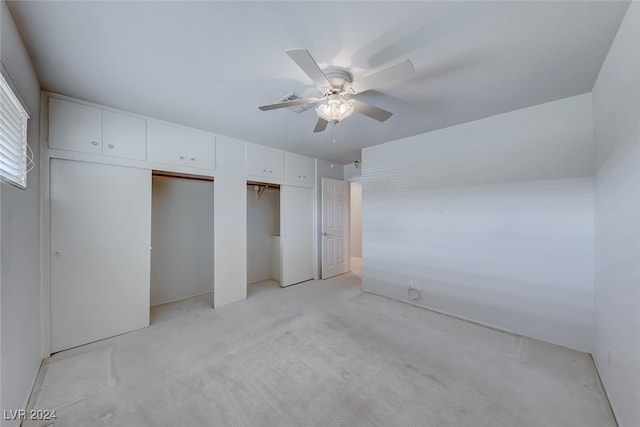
(211,64)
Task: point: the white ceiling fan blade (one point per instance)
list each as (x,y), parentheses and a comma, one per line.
(321,125)
(372,111)
(305,61)
(383,77)
(289,103)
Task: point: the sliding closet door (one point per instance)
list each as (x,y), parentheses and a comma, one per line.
(100,260)
(296,234)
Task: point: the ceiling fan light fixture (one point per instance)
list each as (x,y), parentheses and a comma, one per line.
(336,109)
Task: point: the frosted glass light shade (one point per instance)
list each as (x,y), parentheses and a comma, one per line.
(335,109)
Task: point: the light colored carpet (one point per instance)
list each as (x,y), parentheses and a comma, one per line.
(77,377)
(324,353)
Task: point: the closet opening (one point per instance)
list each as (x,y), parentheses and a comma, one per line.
(182,245)
(263,237)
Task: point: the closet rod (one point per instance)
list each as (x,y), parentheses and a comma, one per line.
(262,184)
(181,176)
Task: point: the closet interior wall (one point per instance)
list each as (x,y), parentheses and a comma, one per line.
(181,238)
(263,229)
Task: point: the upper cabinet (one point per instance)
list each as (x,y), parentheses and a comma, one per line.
(180,146)
(123,136)
(74,126)
(118,137)
(299,168)
(166,143)
(200,149)
(265,162)
(79,127)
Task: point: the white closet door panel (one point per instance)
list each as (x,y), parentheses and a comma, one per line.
(296,234)
(124,136)
(100,260)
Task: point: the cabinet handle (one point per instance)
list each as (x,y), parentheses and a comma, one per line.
(270,172)
(94,143)
(193,159)
(181,157)
(264,170)
(110,145)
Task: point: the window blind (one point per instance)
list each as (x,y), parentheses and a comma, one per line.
(13,137)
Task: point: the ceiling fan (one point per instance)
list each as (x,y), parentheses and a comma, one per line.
(337,88)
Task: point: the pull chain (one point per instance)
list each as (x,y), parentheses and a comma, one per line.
(333,127)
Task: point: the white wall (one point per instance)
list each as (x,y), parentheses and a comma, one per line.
(331,170)
(263,221)
(493,217)
(351,173)
(355,221)
(616,115)
(230,226)
(20,246)
(182,238)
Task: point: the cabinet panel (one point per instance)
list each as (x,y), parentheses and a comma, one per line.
(166,143)
(276,164)
(299,168)
(124,136)
(256,160)
(201,150)
(265,162)
(74,126)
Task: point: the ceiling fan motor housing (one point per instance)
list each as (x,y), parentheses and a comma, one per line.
(338,78)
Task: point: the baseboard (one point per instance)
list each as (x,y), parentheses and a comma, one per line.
(606,393)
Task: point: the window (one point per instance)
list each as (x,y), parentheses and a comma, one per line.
(16,158)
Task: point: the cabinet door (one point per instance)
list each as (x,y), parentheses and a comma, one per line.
(299,168)
(201,150)
(166,143)
(124,136)
(276,164)
(100,260)
(74,126)
(257,161)
(265,161)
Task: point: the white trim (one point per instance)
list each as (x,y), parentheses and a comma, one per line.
(45,290)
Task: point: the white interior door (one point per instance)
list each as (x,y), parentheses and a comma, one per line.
(100,260)
(335,227)
(296,234)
